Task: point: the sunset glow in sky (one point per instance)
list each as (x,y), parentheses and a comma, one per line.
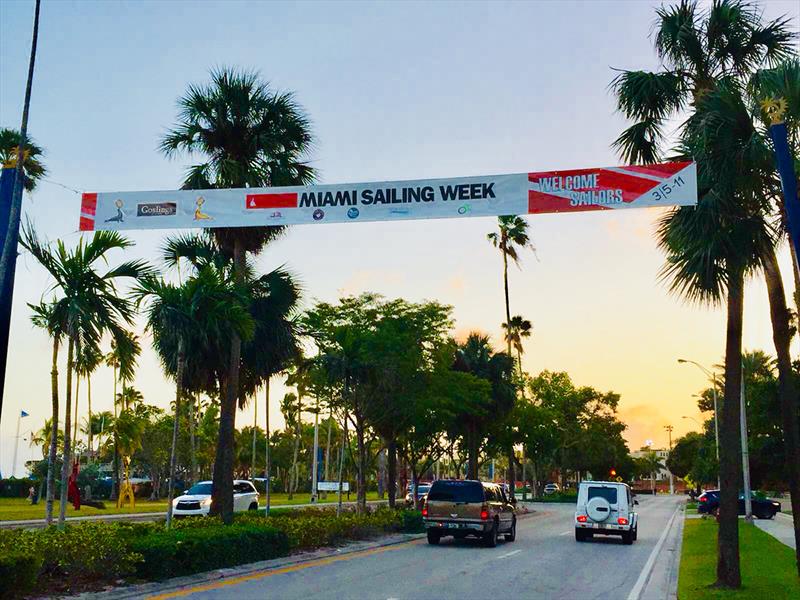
(395,91)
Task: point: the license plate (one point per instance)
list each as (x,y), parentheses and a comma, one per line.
(453,525)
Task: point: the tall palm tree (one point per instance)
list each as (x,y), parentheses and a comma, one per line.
(33,168)
(87,359)
(88,305)
(707,57)
(204,310)
(510,237)
(51,317)
(251,136)
(516,331)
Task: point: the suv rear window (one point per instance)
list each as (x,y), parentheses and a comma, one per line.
(456,491)
(609,493)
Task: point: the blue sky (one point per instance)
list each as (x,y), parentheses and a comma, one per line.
(395,91)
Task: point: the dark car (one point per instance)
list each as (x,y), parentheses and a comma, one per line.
(763,508)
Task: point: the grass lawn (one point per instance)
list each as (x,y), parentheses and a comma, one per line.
(768,569)
(12,509)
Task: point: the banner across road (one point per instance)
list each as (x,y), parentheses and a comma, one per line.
(605,188)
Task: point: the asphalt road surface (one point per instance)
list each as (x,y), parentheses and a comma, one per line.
(544,562)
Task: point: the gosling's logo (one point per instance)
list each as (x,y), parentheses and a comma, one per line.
(159,209)
(352,213)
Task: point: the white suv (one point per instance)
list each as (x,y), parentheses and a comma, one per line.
(605,507)
(196,501)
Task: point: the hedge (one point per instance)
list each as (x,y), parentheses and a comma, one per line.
(187,551)
(102,553)
(18,573)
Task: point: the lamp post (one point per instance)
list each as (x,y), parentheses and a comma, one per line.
(669,429)
(713,377)
(699,424)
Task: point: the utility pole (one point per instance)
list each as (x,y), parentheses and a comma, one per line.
(748,501)
(671,480)
(16,447)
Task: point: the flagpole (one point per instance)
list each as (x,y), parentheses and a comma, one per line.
(16,447)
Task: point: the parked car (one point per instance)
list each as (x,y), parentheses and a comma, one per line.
(422,491)
(551,488)
(196,501)
(464,508)
(606,508)
(763,508)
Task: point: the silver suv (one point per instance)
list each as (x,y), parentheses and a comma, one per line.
(605,507)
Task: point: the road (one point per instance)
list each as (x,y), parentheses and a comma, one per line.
(544,562)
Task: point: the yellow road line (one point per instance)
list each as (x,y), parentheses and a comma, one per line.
(269,573)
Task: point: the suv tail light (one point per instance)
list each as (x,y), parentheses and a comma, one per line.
(622,521)
(703,499)
(484,512)
(581,518)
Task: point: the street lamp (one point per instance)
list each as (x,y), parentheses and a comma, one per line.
(693,419)
(713,377)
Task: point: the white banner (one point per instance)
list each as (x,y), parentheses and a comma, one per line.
(610,188)
(332,486)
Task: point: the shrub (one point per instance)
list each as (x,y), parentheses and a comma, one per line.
(18,573)
(186,551)
(412,521)
(16,488)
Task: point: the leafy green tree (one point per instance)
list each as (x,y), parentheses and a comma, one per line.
(707,57)
(251,136)
(88,306)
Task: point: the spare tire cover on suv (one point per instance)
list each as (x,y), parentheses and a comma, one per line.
(598,509)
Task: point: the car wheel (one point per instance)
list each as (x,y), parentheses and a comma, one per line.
(636,532)
(490,538)
(627,537)
(580,535)
(253,506)
(434,537)
(512,534)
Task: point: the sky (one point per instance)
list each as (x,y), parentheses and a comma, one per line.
(394,91)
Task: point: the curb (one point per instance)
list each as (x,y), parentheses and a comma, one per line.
(161,587)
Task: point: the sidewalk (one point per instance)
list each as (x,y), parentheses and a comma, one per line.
(154,516)
(780,528)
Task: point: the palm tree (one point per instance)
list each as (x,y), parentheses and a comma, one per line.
(516,330)
(98,426)
(511,236)
(88,305)
(204,310)
(32,167)
(252,136)
(87,359)
(51,318)
(707,57)
(125,349)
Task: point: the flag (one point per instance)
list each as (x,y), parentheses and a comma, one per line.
(22,413)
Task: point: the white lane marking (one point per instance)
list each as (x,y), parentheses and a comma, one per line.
(565,533)
(648,566)
(507,554)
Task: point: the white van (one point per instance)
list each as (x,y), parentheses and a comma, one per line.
(606,508)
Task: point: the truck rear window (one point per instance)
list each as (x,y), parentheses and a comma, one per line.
(456,491)
(609,493)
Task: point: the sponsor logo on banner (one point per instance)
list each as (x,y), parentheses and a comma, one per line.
(160,209)
(199,215)
(276,215)
(271,200)
(399,211)
(318,214)
(120,216)
(352,213)
(464,209)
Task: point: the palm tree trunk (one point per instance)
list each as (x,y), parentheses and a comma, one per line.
(192,439)
(391,466)
(361,494)
(8,253)
(728,570)
(328,447)
(796,277)
(782,338)
(293,480)
(341,465)
(77,396)
(255,425)
(267,469)
(508,305)
(222,481)
(89,399)
(173,455)
(115,481)
(66,465)
(51,457)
